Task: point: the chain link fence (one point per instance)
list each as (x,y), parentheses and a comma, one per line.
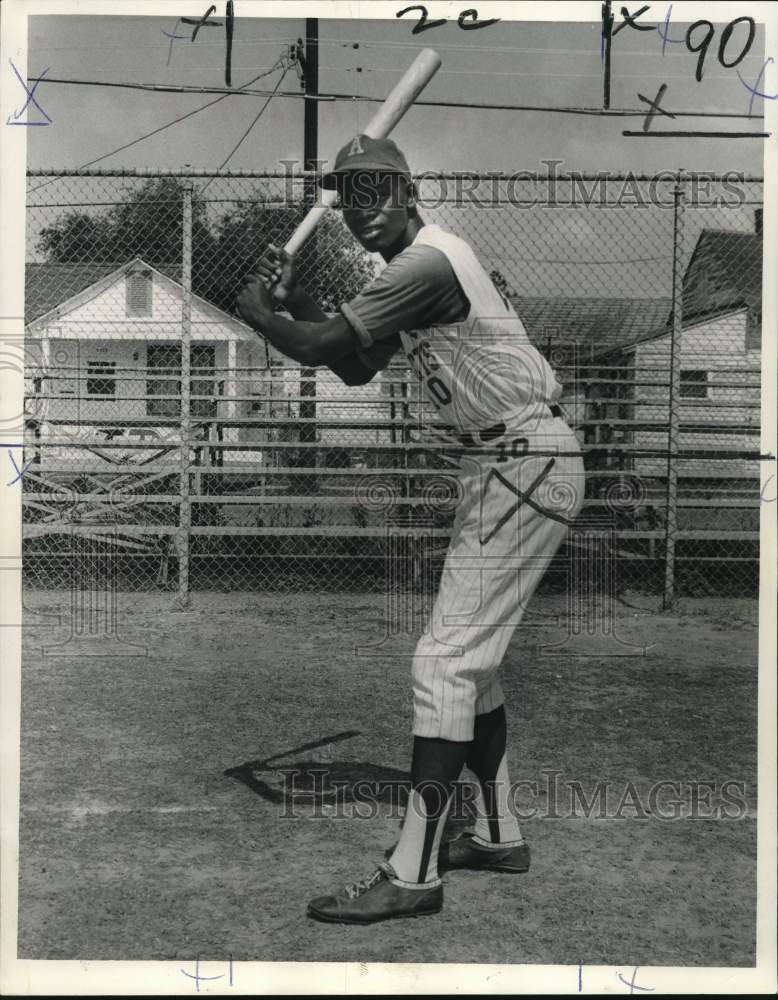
(167,446)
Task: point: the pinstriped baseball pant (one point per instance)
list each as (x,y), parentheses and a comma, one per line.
(511,519)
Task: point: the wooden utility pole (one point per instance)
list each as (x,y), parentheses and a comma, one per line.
(310,155)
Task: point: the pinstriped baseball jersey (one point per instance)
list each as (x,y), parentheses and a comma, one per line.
(482,373)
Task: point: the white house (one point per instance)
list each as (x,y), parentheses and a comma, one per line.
(104,364)
(720,347)
(719,398)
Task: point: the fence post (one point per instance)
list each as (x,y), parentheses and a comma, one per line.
(308,376)
(676,339)
(185,511)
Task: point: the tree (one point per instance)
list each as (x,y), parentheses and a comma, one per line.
(333,267)
(150,225)
(240,237)
(76,237)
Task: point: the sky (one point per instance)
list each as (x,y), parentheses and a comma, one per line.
(548,64)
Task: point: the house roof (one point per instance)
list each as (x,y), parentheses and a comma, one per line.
(79,286)
(602,323)
(725,272)
(49,285)
(724,275)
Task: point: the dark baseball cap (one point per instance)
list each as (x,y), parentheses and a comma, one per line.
(371,155)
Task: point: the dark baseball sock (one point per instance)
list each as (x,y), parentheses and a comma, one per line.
(435,766)
(486,758)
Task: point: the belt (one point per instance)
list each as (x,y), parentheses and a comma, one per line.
(493,433)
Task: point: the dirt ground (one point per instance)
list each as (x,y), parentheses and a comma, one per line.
(154,822)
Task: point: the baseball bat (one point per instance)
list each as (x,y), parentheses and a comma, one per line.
(414,80)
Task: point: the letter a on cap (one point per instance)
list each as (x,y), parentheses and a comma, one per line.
(356,147)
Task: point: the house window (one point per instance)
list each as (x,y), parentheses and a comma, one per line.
(694,383)
(139,293)
(754,329)
(100,378)
(203,390)
(163,362)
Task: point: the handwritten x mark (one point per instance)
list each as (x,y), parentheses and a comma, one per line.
(653,107)
(19,472)
(754,91)
(631,20)
(202,979)
(30,98)
(633,985)
(525,496)
(203,21)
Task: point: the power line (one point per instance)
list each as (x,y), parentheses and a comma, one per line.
(359,43)
(244,91)
(531,74)
(510,49)
(236,147)
(256,119)
(154,48)
(168,88)
(528,74)
(169,124)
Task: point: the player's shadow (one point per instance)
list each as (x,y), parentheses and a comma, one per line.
(310,782)
(284,778)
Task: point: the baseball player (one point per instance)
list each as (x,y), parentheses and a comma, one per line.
(520,477)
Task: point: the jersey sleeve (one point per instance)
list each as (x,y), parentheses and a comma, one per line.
(417,289)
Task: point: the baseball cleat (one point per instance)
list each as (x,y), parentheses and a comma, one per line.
(462,852)
(376,898)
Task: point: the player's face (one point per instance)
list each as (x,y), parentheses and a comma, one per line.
(375,208)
